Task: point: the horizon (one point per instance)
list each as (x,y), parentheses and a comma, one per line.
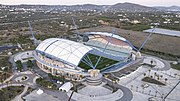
(165,3)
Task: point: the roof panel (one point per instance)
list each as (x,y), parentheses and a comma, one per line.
(63,49)
(107,34)
(56,51)
(73,59)
(45,44)
(64,52)
(50,48)
(65,57)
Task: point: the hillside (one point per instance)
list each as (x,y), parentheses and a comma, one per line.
(131,7)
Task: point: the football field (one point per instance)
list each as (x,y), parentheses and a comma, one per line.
(103,63)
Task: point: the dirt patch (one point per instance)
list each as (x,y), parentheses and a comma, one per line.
(157,42)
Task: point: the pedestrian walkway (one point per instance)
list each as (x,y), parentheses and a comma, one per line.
(160,64)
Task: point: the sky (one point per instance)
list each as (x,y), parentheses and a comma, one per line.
(98,2)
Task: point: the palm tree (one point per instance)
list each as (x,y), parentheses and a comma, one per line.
(158,78)
(143,90)
(156,93)
(165,80)
(131,87)
(149,92)
(151,62)
(136,88)
(161,76)
(144,74)
(155,74)
(175,75)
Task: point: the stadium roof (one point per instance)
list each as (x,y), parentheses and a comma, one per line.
(65,50)
(110,34)
(107,34)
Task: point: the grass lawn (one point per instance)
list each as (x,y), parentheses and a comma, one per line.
(151,80)
(103,63)
(44,83)
(177,66)
(6,94)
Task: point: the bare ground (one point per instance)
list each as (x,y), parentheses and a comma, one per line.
(157,42)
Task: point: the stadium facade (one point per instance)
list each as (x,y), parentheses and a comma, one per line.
(62,57)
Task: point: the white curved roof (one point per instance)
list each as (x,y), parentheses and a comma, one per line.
(107,34)
(65,50)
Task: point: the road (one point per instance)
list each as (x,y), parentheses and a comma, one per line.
(127,94)
(2,48)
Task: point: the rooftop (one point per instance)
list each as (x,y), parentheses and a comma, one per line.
(64,50)
(164,32)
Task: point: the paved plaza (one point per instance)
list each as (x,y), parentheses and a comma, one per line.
(130,87)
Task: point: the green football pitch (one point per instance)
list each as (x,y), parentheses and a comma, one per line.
(103,63)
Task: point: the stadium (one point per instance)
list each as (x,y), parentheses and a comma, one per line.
(104,51)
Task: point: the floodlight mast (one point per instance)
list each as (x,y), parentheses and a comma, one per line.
(32,33)
(104,50)
(156,24)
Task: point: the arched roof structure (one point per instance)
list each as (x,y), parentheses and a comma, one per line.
(65,50)
(109,35)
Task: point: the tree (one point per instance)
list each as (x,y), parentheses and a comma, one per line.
(161,76)
(30,64)
(131,87)
(165,80)
(149,92)
(136,88)
(19,65)
(175,75)
(156,93)
(144,74)
(155,74)
(151,62)
(158,78)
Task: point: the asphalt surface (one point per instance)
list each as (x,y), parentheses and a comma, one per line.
(127,94)
(2,48)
